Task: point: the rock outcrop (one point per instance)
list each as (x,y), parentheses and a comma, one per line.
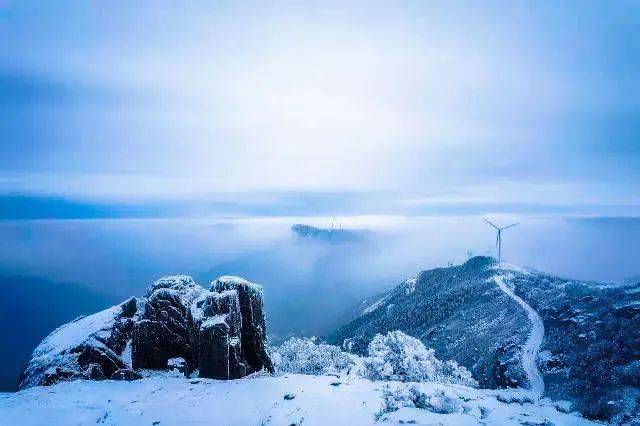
(162,332)
(86,348)
(216,323)
(254,332)
(220,333)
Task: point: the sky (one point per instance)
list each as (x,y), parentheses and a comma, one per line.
(502,103)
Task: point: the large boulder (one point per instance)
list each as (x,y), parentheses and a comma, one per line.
(220,333)
(162,332)
(216,325)
(254,327)
(86,348)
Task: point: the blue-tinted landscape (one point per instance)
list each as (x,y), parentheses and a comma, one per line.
(320,212)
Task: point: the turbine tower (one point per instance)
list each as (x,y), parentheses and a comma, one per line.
(499,236)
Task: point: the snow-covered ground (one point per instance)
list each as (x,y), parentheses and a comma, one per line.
(264,400)
(532,346)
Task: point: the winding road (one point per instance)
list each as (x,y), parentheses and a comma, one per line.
(532,346)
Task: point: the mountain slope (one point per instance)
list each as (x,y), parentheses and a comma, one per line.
(458,311)
(590,351)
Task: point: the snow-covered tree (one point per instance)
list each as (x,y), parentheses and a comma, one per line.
(306,356)
(392,356)
(398,356)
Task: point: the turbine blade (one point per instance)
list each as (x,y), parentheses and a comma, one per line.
(510,226)
(489,222)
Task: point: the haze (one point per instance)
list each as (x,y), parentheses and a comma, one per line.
(138,140)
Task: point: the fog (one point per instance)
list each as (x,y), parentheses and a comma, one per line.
(53,270)
(308,283)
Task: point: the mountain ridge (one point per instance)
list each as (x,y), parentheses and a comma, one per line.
(589,354)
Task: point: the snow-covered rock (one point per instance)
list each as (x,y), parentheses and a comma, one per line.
(253,332)
(220,333)
(183,284)
(86,348)
(216,323)
(163,330)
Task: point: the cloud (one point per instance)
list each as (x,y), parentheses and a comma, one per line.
(423,99)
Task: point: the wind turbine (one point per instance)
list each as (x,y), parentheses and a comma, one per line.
(499,236)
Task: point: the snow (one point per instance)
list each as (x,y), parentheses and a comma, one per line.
(394,356)
(508,267)
(233,279)
(214,320)
(77,332)
(534,341)
(545,356)
(197,306)
(398,356)
(377,304)
(52,350)
(303,355)
(222,294)
(313,400)
(127,354)
(410,285)
(631,304)
(236,281)
(184,285)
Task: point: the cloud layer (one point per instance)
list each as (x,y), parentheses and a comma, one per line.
(435,100)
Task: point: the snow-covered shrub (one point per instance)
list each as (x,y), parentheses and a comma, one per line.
(305,356)
(400,396)
(395,398)
(397,356)
(393,356)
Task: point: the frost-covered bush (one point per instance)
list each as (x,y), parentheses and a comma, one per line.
(393,356)
(305,356)
(395,398)
(438,401)
(397,356)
